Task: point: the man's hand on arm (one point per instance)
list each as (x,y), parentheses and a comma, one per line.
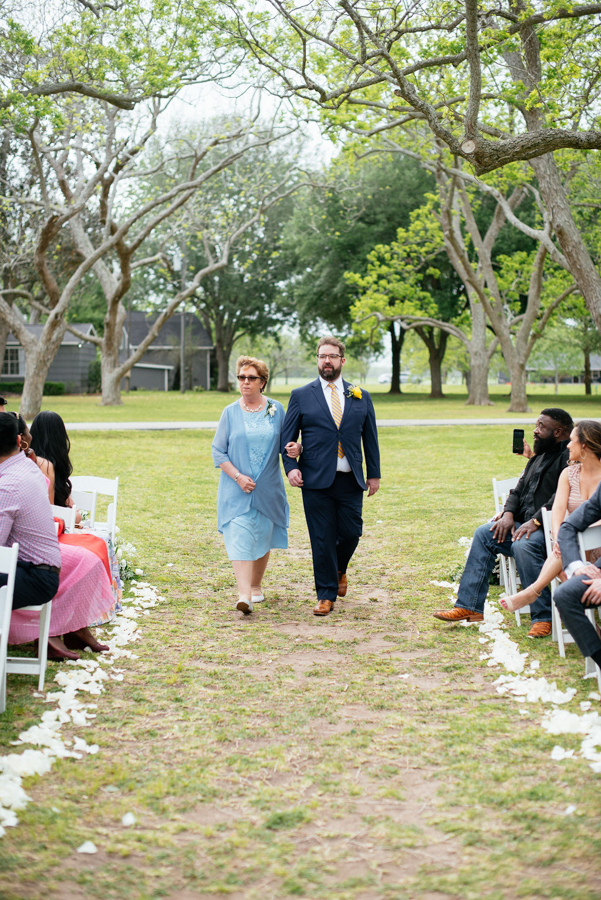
(525,530)
(373,485)
(295,478)
(593,592)
(502,526)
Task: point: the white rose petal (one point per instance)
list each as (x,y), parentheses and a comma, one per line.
(87,847)
(128,820)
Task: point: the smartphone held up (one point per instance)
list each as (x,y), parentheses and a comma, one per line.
(518,441)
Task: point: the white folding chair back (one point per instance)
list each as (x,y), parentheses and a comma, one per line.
(507,568)
(590,539)
(8,566)
(102,486)
(500,488)
(67,514)
(86,502)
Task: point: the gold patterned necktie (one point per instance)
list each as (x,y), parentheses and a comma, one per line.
(337,414)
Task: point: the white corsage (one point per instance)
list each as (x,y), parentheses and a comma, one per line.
(270,411)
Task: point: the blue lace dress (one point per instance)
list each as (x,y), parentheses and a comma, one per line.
(251,535)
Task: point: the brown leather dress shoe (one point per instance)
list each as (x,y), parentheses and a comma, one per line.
(342,585)
(456,614)
(540,629)
(323,608)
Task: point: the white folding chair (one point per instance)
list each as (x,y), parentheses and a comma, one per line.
(85,501)
(36,665)
(559,633)
(590,539)
(102,486)
(8,566)
(68,514)
(507,568)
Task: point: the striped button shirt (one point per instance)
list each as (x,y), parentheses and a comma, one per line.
(25,512)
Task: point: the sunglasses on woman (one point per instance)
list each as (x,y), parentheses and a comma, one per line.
(248,377)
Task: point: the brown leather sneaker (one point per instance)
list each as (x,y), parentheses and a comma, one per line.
(323,608)
(540,629)
(456,614)
(342,585)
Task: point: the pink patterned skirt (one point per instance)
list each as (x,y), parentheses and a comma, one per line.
(84,595)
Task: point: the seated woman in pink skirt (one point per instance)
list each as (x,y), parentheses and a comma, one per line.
(84,595)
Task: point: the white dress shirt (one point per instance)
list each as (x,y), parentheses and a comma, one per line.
(571,569)
(343,464)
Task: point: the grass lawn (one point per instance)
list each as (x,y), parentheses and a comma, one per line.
(158,406)
(281,755)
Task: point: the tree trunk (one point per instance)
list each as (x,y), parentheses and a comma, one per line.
(396,343)
(587,371)
(568,234)
(109,361)
(436,354)
(111,383)
(518,375)
(479,360)
(38,360)
(223,353)
(4,332)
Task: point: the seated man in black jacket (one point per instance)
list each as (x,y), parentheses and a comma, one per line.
(517,531)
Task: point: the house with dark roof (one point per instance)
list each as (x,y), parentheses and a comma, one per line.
(70,365)
(159,368)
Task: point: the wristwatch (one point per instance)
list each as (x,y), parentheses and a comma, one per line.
(536,522)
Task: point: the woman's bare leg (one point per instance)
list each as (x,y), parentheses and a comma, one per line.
(258,570)
(243,570)
(551,569)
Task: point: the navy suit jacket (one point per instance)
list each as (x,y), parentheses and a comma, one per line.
(308,412)
(587,514)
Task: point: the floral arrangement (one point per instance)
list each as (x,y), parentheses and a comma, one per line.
(127,567)
(354,391)
(270,410)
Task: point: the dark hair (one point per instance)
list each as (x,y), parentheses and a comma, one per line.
(9,430)
(333,341)
(49,440)
(589,432)
(560,416)
(22,423)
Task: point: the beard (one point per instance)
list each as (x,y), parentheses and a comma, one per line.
(328,371)
(542,445)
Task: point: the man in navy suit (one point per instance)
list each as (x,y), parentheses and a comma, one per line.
(334,418)
(582,590)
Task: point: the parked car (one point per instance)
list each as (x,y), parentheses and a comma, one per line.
(386,379)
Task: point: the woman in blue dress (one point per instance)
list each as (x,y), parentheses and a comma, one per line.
(252,510)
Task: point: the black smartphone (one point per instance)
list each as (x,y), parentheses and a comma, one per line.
(518,440)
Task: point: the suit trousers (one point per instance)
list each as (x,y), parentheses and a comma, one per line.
(529,554)
(33,586)
(568,599)
(335,525)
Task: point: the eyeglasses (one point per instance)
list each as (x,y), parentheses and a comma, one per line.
(329,356)
(248,377)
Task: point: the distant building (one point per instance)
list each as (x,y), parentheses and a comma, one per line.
(70,365)
(159,368)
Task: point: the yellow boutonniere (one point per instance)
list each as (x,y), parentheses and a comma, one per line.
(355,391)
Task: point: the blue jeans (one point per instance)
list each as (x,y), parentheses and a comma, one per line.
(529,554)
(568,599)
